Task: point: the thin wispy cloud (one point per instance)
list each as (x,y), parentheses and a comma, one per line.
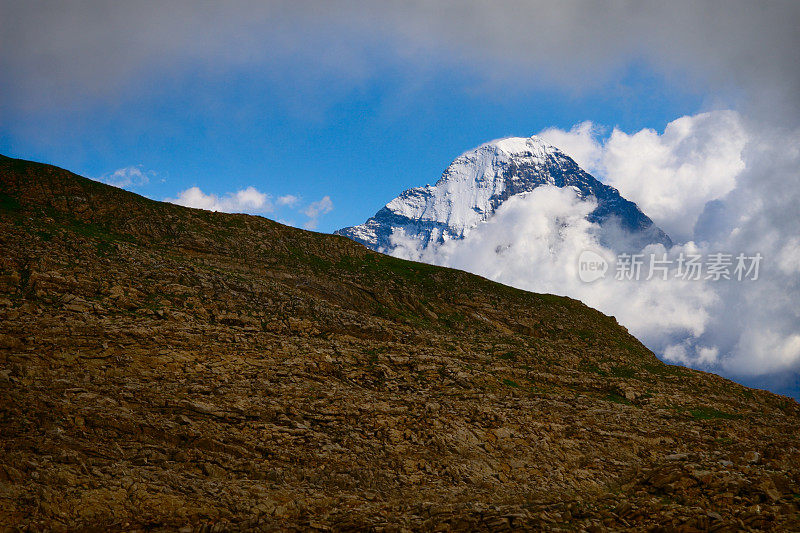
(131,177)
(317,209)
(288,200)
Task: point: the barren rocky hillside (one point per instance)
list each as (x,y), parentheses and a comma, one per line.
(168,368)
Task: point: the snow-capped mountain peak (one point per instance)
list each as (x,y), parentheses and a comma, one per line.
(477,182)
(532,146)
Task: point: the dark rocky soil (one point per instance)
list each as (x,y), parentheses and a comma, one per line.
(164,368)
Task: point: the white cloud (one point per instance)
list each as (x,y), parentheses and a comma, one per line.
(315,210)
(580,143)
(676,353)
(288,200)
(707,356)
(251,200)
(757,324)
(789,257)
(128,177)
(672,175)
(765,349)
(248,200)
(687,353)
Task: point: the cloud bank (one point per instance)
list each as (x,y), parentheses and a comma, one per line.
(671,175)
(721,185)
(51,51)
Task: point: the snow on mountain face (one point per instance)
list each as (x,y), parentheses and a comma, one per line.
(480,180)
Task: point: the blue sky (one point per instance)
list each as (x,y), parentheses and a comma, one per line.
(361,147)
(360,140)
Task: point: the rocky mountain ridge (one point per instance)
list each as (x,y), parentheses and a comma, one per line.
(165,368)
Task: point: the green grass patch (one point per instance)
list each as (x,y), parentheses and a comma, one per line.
(590,367)
(508,356)
(9,203)
(104,248)
(550,298)
(452,320)
(404,316)
(630,346)
(709,413)
(316,262)
(661,369)
(396,268)
(747,393)
(616,398)
(510,383)
(623,372)
(96,231)
(372,355)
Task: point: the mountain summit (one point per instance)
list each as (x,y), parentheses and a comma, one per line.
(480,180)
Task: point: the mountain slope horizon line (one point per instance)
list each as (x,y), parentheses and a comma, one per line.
(477,182)
(41,193)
